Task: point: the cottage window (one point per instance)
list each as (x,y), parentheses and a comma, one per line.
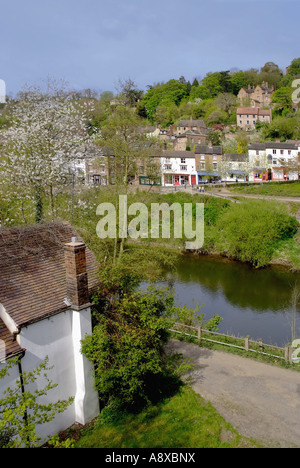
(182,160)
(274,151)
(168,167)
(202,156)
(183,168)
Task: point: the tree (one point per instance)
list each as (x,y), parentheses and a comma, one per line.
(128,148)
(227,102)
(47,134)
(128,93)
(172,91)
(294,68)
(282,98)
(127,345)
(22,410)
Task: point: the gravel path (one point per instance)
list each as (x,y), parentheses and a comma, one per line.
(260,400)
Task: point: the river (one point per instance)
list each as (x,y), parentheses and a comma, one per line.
(254,302)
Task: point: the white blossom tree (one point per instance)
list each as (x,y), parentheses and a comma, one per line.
(48,132)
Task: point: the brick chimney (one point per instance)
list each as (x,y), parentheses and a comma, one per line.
(76,274)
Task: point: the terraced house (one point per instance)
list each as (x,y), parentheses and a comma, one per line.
(274,161)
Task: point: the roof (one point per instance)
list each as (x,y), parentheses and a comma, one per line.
(253,111)
(273,145)
(206,149)
(33,275)
(177,154)
(9,347)
(188,123)
(240,157)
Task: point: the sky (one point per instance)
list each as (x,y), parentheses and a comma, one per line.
(95,43)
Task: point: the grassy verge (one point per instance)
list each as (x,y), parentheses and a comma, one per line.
(185,420)
(291,189)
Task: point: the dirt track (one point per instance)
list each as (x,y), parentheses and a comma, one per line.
(260,400)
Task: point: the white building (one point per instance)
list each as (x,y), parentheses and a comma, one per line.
(46,281)
(178,168)
(273,161)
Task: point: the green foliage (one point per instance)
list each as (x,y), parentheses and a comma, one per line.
(171,92)
(127,347)
(22,410)
(250,232)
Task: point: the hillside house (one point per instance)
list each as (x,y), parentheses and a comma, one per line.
(247,117)
(258,96)
(47,278)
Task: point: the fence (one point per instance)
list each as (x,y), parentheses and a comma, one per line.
(235,342)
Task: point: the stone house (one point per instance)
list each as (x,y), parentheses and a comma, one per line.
(259,96)
(247,117)
(47,278)
(191,125)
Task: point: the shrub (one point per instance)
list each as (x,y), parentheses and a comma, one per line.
(251,231)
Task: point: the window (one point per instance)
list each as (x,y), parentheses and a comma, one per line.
(202,165)
(102,168)
(215,166)
(274,151)
(202,157)
(275,161)
(168,167)
(141,169)
(182,160)
(214,157)
(167,160)
(281,151)
(183,168)
(289,152)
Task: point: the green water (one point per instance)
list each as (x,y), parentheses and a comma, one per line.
(252,302)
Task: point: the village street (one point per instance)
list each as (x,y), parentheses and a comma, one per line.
(260,400)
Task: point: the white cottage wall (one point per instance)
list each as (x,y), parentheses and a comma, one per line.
(58,337)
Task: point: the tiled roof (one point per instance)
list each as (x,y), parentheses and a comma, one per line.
(253,111)
(272,145)
(9,347)
(33,275)
(195,123)
(177,154)
(206,149)
(240,157)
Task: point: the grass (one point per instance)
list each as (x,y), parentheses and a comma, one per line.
(185,420)
(291,189)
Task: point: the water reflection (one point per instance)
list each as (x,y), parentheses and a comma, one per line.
(251,302)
